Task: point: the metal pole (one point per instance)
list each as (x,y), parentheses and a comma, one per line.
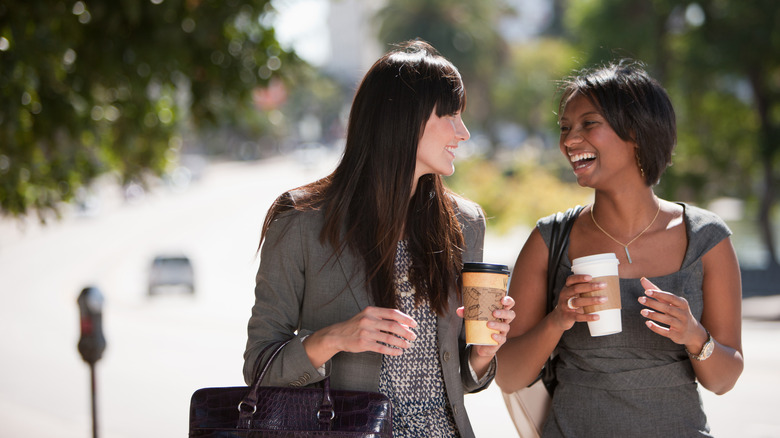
(94,402)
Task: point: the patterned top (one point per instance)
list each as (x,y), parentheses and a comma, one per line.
(636,383)
(413,381)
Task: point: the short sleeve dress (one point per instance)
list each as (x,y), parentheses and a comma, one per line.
(634,383)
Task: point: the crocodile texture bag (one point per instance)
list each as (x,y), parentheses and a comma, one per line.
(262,411)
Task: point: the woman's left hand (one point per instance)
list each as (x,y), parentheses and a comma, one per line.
(673,311)
(505,316)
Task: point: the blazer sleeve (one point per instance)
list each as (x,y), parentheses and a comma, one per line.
(275,318)
(472,220)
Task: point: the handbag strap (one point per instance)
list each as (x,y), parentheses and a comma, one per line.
(248,406)
(559,238)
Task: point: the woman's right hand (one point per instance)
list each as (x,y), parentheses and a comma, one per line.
(377,329)
(571,302)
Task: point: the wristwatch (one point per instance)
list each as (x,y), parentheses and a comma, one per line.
(706,349)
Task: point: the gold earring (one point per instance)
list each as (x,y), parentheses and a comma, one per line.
(638,162)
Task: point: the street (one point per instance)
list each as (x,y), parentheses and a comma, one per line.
(160,349)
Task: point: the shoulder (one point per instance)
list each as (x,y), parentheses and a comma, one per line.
(470,217)
(701,221)
(466,209)
(294,207)
(545,224)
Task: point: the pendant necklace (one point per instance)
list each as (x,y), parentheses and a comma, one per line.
(625,246)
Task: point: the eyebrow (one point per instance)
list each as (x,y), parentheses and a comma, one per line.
(589,113)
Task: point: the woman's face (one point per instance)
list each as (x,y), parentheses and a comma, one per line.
(440,138)
(595,151)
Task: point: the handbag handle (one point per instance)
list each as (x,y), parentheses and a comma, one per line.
(248,406)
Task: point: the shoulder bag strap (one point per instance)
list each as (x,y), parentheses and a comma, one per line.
(559,237)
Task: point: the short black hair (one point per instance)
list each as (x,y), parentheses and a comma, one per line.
(635,105)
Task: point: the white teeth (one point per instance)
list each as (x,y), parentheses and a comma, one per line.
(583,156)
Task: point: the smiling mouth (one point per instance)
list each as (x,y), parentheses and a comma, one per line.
(582,159)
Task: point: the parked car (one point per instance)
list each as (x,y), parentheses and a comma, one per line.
(171,272)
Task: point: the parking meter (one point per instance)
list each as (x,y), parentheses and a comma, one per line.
(92,343)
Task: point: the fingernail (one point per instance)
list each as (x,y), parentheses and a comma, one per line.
(645,312)
(649,292)
(643,300)
(602,299)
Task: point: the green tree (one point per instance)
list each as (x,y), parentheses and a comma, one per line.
(91,86)
(731,51)
(609,29)
(524,92)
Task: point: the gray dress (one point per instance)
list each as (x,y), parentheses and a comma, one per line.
(634,383)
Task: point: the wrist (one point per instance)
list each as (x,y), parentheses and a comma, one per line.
(318,348)
(701,350)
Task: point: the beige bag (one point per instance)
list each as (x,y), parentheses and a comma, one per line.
(528,408)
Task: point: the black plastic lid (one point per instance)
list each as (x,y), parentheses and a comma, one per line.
(486,267)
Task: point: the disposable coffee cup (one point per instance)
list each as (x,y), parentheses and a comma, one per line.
(604,269)
(484,285)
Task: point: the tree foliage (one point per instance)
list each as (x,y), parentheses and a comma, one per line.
(92,86)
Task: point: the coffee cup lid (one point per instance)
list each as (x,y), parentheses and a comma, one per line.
(486,267)
(596,258)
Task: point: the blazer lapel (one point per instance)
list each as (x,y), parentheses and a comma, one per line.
(352,267)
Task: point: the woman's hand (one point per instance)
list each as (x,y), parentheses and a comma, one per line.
(571,302)
(482,355)
(673,311)
(377,329)
(505,316)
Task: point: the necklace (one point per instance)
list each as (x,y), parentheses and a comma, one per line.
(625,245)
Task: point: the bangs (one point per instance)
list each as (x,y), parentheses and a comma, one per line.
(451,101)
(432,78)
(452,94)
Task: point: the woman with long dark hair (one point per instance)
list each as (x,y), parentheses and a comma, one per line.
(362,266)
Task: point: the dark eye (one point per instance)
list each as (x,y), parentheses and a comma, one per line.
(564,129)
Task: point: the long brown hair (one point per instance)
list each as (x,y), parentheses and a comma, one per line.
(366,200)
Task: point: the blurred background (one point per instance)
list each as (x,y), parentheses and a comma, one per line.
(142,142)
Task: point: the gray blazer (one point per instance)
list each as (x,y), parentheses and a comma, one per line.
(301,287)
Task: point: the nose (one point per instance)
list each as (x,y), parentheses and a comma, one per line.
(461,132)
(571,138)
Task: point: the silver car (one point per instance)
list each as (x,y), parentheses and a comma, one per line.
(171,273)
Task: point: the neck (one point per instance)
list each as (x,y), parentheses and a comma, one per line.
(625,215)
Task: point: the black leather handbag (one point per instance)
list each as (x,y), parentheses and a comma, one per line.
(262,411)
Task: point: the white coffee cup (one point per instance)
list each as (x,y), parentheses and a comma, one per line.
(604,269)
